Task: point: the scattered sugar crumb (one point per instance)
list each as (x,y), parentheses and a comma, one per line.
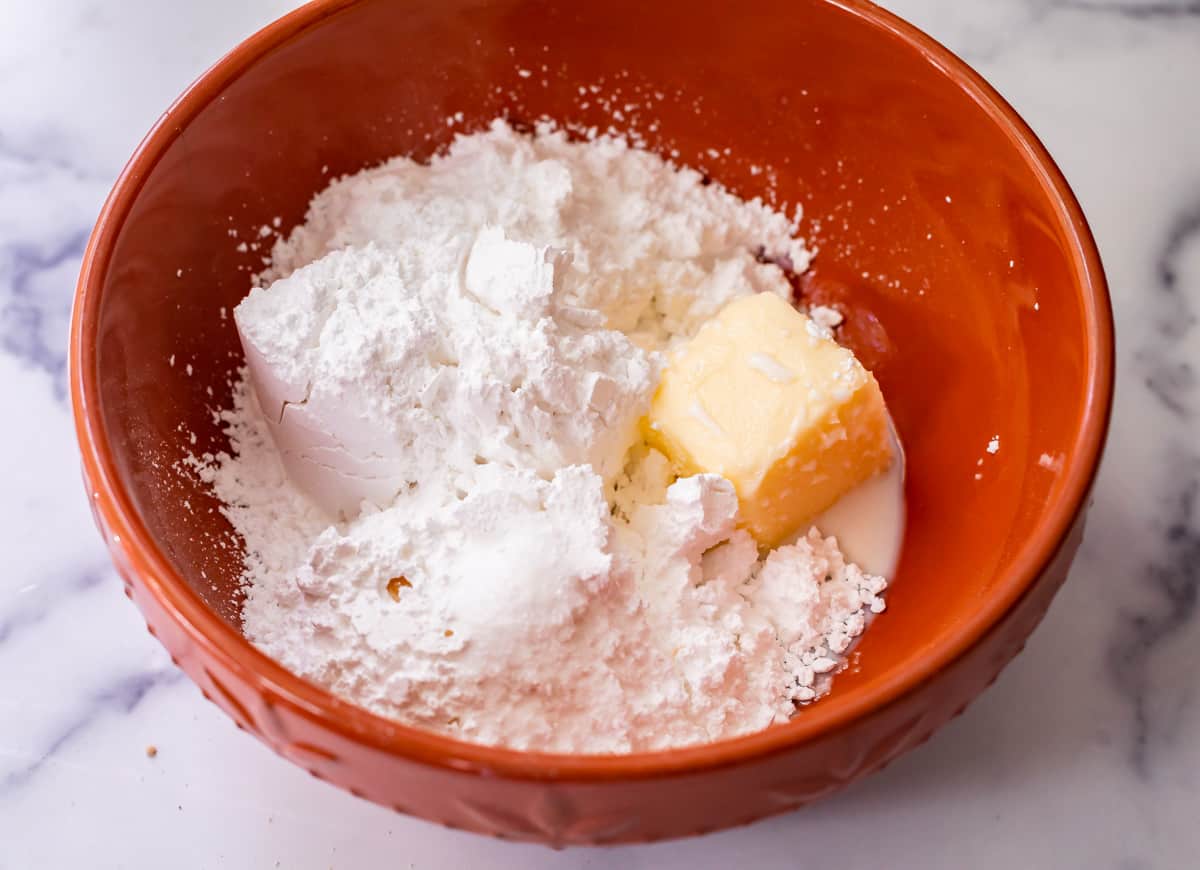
(826,317)
(1050,461)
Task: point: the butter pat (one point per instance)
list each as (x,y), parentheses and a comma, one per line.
(763,396)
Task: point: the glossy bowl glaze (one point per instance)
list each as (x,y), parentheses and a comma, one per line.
(972,285)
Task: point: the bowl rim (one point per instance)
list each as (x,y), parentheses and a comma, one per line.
(237,655)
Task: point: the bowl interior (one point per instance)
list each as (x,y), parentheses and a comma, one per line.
(936,229)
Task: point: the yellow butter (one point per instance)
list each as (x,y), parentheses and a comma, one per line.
(762,396)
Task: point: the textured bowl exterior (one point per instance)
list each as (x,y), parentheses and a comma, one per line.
(559,812)
(301,101)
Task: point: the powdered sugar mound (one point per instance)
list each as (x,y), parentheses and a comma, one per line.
(817,604)
(274,518)
(448,513)
(650,247)
(380,369)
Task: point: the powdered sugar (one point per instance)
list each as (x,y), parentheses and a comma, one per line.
(448,515)
(380,369)
(652,249)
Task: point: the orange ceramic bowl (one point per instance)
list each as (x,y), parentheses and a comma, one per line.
(972,285)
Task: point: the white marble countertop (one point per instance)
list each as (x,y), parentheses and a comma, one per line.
(1086,753)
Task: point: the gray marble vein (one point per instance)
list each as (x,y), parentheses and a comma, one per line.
(33,605)
(47,207)
(121,697)
(1148,9)
(1170,377)
(1146,633)
(31,322)
(987,32)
